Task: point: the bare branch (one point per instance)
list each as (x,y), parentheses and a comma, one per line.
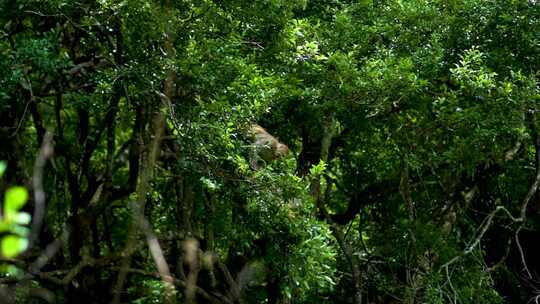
(45,153)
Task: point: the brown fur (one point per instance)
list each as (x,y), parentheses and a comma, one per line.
(266,147)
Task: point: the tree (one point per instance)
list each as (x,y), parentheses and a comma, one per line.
(412,127)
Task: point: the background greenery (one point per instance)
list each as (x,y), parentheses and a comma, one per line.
(412,125)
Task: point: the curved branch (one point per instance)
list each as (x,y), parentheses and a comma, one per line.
(359,200)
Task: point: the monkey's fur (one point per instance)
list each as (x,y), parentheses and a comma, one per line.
(266,147)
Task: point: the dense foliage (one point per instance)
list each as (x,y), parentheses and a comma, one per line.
(412,176)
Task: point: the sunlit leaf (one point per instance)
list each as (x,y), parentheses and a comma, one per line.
(15,198)
(13,245)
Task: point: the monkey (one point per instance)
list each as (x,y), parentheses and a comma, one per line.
(265,148)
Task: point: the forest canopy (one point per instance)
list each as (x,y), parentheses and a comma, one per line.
(269,151)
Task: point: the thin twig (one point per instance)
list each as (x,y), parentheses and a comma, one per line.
(533,189)
(521,253)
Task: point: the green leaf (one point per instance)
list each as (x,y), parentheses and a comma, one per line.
(15,198)
(4,226)
(3,167)
(12,246)
(318,169)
